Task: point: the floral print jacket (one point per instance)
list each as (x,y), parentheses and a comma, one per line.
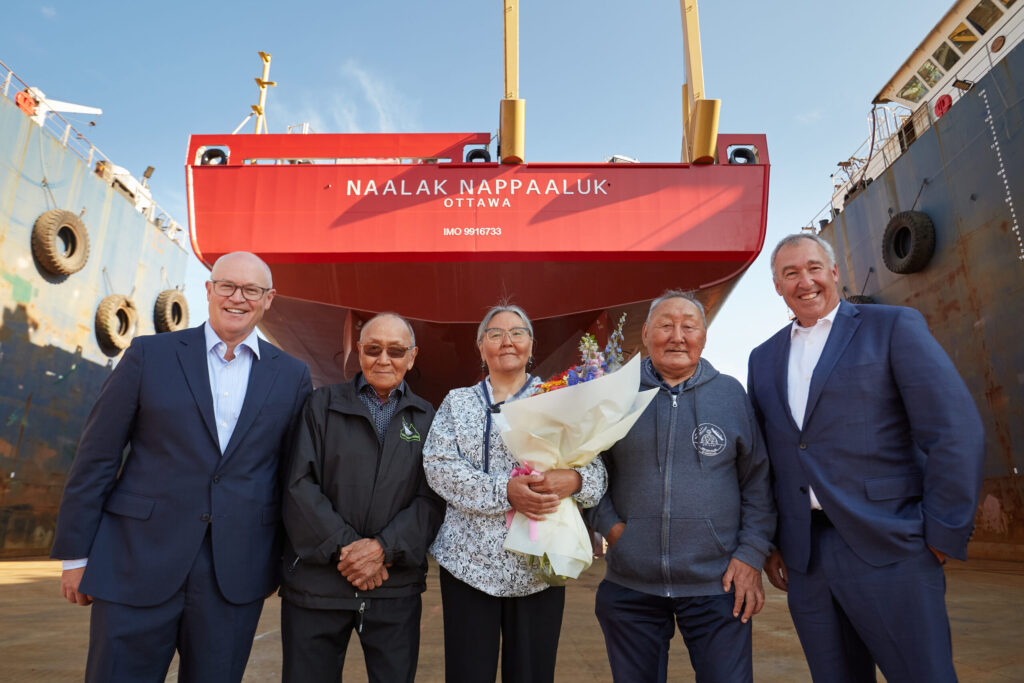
(469,544)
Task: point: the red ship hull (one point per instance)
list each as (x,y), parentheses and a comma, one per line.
(441,241)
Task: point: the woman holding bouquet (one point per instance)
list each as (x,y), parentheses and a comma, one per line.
(493,600)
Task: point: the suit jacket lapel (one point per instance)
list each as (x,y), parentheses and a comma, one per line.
(261,379)
(192,357)
(844,326)
(781,369)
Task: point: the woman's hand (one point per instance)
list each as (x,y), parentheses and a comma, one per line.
(531,503)
(562,483)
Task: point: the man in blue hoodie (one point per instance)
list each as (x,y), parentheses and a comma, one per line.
(688,514)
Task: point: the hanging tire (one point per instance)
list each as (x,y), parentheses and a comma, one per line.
(214,157)
(170,313)
(860,299)
(116,322)
(909,242)
(60,242)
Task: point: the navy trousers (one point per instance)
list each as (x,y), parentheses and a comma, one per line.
(213,637)
(638,627)
(851,615)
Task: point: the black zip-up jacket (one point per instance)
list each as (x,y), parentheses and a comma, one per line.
(335,494)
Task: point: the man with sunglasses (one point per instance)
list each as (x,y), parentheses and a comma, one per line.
(170,521)
(360,517)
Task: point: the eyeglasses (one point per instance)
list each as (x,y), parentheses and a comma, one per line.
(516,334)
(227,289)
(393,351)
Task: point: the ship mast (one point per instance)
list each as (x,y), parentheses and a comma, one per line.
(263,83)
(258,109)
(512,115)
(700,116)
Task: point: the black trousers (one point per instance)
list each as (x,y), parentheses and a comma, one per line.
(477,626)
(315,641)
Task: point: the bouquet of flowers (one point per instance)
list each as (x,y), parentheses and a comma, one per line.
(579,414)
(594,363)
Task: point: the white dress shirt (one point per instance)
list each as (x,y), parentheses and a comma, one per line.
(805,347)
(229,381)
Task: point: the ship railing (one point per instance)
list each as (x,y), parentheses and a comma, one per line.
(892,138)
(54,124)
(57,127)
(824,216)
(897,127)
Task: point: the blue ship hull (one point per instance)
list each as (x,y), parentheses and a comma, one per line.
(51,365)
(966,173)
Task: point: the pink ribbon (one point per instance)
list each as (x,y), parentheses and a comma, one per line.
(521,471)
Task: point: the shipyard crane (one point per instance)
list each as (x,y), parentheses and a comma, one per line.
(42,105)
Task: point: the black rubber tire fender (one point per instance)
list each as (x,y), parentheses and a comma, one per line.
(860,299)
(60,242)
(214,156)
(170,313)
(909,242)
(116,323)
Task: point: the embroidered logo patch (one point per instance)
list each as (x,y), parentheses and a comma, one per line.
(708,439)
(409,431)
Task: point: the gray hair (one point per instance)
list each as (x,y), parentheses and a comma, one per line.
(502,308)
(677,294)
(790,240)
(250,255)
(388,314)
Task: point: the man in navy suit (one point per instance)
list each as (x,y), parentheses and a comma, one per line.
(170,524)
(876,450)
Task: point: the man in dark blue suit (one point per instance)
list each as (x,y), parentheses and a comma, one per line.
(876,450)
(170,524)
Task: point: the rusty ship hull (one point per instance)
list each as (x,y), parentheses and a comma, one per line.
(51,363)
(966,173)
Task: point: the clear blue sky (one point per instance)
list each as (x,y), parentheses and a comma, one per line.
(600,77)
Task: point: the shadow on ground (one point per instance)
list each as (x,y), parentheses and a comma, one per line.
(45,638)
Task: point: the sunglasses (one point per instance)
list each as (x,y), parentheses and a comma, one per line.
(393,351)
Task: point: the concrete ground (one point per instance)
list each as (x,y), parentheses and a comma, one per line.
(45,638)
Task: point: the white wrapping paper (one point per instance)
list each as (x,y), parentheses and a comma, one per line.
(561,429)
